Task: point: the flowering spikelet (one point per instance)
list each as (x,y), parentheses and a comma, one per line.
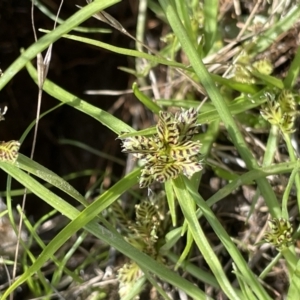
(9,151)
(280,234)
(143,234)
(243,68)
(170,151)
(281,111)
(263,66)
(127,277)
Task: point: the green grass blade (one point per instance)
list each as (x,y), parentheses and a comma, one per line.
(187,205)
(220,105)
(39,241)
(151,105)
(171,201)
(246,178)
(136,289)
(247,292)
(171,239)
(62,95)
(208,113)
(154,59)
(198,273)
(237,86)
(58,273)
(269,80)
(54,18)
(187,249)
(71,176)
(225,239)
(293,71)
(36,48)
(210,11)
(267,38)
(91,150)
(294,289)
(185,18)
(32,124)
(83,219)
(45,174)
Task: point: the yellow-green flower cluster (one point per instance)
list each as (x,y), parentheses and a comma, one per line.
(170,151)
(9,151)
(281,111)
(127,276)
(280,234)
(243,68)
(143,235)
(144,232)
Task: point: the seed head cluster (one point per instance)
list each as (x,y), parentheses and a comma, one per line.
(169,152)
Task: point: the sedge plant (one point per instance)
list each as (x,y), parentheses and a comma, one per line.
(171,157)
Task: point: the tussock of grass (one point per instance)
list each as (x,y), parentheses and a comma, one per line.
(217,164)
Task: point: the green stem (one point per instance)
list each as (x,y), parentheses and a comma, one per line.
(220,105)
(293,158)
(271,146)
(291,259)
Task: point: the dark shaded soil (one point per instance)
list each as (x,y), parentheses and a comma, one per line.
(75,67)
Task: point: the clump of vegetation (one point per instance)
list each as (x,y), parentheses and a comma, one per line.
(217,162)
